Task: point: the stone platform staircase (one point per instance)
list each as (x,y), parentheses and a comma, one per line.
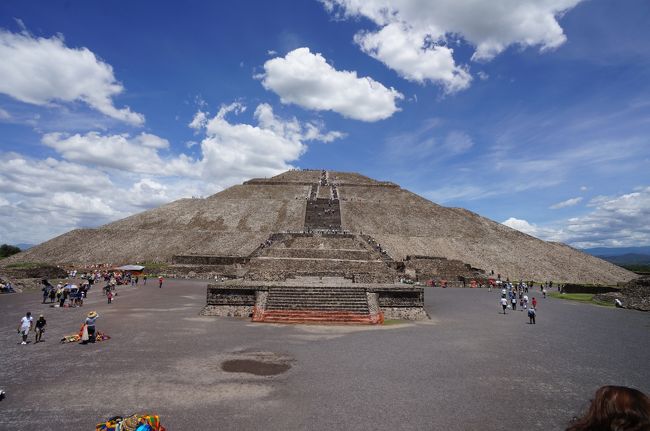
(318,305)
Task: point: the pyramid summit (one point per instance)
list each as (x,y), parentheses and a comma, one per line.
(313,222)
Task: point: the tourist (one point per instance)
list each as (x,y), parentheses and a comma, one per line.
(534,302)
(531,315)
(513,300)
(109,296)
(145,279)
(39,328)
(26,324)
(615,408)
(525,301)
(46,293)
(544,293)
(90,325)
(160,281)
(52,295)
(504,304)
(521,302)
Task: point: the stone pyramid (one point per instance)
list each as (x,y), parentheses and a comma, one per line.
(415,237)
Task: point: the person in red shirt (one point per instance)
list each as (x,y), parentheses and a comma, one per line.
(160,281)
(534,302)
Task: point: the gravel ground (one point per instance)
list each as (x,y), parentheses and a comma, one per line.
(468,368)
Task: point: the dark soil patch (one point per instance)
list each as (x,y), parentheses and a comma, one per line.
(252,366)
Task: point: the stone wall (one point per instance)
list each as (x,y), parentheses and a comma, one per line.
(319,253)
(235,295)
(193,259)
(436,268)
(271,268)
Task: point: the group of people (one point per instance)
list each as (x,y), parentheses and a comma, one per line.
(7,288)
(510,297)
(27,325)
(70,293)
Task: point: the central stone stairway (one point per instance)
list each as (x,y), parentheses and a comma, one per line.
(326,304)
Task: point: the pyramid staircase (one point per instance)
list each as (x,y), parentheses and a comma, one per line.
(317,305)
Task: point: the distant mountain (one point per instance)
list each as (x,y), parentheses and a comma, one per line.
(617,251)
(24,247)
(629,259)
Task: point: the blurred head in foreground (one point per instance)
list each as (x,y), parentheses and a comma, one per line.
(615,408)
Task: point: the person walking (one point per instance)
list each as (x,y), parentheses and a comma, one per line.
(534,302)
(39,328)
(531,315)
(513,301)
(145,279)
(109,296)
(26,324)
(90,325)
(46,293)
(160,281)
(525,302)
(504,304)
(544,293)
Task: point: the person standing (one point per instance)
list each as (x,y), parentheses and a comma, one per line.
(513,301)
(504,304)
(46,292)
(26,324)
(145,279)
(109,296)
(531,315)
(39,328)
(534,302)
(90,325)
(544,293)
(160,281)
(525,302)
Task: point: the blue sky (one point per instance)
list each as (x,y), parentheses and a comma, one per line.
(535,113)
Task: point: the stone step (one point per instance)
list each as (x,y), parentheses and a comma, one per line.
(359,310)
(319,303)
(318,317)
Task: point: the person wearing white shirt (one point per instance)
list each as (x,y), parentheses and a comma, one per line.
(504,304)
(26,324)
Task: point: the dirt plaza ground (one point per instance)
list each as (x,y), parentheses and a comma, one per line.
(468,368)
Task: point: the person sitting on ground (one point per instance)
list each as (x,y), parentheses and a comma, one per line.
(615,408)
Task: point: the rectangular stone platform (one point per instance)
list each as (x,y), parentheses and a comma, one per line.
(317,298)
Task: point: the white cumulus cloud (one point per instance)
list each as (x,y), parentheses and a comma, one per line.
(42,71)
(414,35)
(306,79)
(567,203)
(240,150)
(614,221)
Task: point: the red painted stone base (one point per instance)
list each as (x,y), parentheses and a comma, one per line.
(317,317)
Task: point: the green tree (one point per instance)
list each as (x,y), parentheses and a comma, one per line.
(7,250)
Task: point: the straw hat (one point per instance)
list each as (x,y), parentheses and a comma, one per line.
(92,314)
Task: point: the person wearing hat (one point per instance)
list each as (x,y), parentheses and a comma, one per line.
(39,328)
(90,325)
